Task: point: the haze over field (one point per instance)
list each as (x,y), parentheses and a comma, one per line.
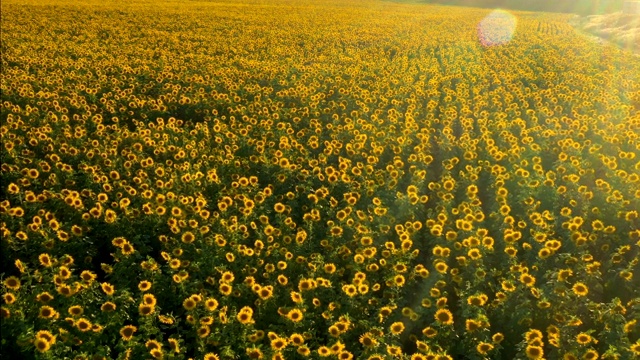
(582,7)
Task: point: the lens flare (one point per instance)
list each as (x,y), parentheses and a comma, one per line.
(497,28)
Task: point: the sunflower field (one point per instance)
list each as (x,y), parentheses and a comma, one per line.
(279,179)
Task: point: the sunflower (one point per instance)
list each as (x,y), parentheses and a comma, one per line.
(532,335)
(12,283)
(483,348)
(189,303)
(497,338)
(580,289)
(527,279)
(296,339)
(42,345)
(397,328)
(83,324)
(146,310)
(156,353)
(367,340)
(474,254)
(227,277)
(149,299)
(282,280)
(350,290)
(211,304)
(444,316)
(153,344)
(108,306)
(46,312)
(279,208)
(127,249)
(278,343)
(165,319)
(441,267)
(207,320)
(477,300)
(46,335)
(472,325)
(254,353)
(203,331)
(394,350)
(295,315)
(174,345)
(225,289)
(88,276)
(45,260)
(211,356)
(75,310)
(245,316)
(629,326)
(127,332)
(564,274)
(265,292)
(583,338)
(304,350)
(334,331)
(144,285)
(534,352)
(107,288)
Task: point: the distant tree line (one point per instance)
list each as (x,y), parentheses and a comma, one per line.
(582,7)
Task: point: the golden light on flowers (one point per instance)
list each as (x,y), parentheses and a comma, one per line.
(450,161)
